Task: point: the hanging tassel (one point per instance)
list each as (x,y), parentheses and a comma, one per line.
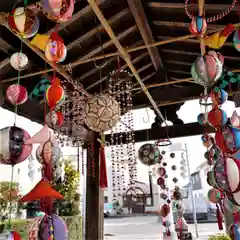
(219,218)
(103,169)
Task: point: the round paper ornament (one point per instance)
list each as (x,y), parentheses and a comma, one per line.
(202,119)
(19,61)
(12,235)
(164,210)
(149,154)
(214,195)
(13,149)
(24,22)
(198,25)
(54,119)
(206,70)
(58,10)
(54,95)
(219,96)
(217,117)
(162,171)
(17,94)
(55,51)
(102,113)
(236,40)
(49,152)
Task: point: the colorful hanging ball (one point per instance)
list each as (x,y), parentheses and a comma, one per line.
(163,196)
(172,155)
(206,70)
(102,113)
(174,168)
(202,119)
(58,10)
(55,51)
(54,95)
(218,96)
(175,180)
(149,154)
(54,119)
(198,25)
(14,150)
(207,140)
(217,118)
(164,164)
(236,40)
(215,195)
(24,22)
(161,171)
(163,152)
(16,94)
(164,210)
(19,61)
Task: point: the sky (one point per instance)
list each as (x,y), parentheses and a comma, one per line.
(143,119)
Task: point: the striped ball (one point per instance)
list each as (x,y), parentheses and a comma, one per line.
(17,94)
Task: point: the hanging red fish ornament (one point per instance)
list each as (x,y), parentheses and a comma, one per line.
(54,94)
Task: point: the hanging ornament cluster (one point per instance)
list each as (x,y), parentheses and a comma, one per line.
(120,85)
(149,154)
(207,69)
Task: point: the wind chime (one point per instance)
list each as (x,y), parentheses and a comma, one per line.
(120,84)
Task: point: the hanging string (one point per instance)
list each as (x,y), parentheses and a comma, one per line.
(148,117)
(10,200)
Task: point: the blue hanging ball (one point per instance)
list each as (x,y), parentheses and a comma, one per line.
(202,119)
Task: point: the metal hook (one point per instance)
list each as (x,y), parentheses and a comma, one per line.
(148,117)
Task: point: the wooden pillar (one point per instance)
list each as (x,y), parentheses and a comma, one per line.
(94,213)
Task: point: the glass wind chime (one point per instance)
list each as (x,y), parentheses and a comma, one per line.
(120,87)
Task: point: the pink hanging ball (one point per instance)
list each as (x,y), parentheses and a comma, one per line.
(17,94)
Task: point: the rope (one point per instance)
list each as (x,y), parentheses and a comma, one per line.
(10,201)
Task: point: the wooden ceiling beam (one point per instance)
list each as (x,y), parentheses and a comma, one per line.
(139,15)
(4,63)
(212,7)
(179,71)
(109,43)
(6,47)
(99,28)
(178,62)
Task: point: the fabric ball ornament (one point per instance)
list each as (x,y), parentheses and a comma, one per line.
(236,40)
(54,95)
(13,149)
(207,140)
(162,171)
(206,70)
(198,25)
(211,179)
(58,10)
(175,180)
(12,235)
(19,61)
(217,117)
(102,113)
(55,51)
(163,196)
(164,210)
(54,119)
(172,155)
(202,119)
(219,96)
(174,168)
(214,195)
(23,22)
(149,154)
(16,94)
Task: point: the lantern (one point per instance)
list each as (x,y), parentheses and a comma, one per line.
(207,69)
(55,51)
(54,94)
(19,61)
(17,94)
(13,149)
(198,25)
(219,96)
(217,117)
(236,40)
(24,22)
(102,113)
(149,154)
(58,10)
(54,118)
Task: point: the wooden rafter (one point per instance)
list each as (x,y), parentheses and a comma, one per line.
(4,63)
(137,10)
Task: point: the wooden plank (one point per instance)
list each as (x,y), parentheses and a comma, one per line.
(175,131)
(99,28)
(137,10)
(4,63)
(6,47)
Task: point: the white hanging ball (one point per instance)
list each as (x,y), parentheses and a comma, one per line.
(19,61)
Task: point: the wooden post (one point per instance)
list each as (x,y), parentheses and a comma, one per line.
(94,224)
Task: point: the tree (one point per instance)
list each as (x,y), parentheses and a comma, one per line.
(69,189)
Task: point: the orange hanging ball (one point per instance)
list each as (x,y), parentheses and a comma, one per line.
(54,94)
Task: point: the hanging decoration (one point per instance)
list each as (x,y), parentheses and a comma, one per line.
(24,22)
(236,40)
(40,89)
(120,85)
(19,61)
(149,154)
(198,25)
(54,119)
(16,94)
